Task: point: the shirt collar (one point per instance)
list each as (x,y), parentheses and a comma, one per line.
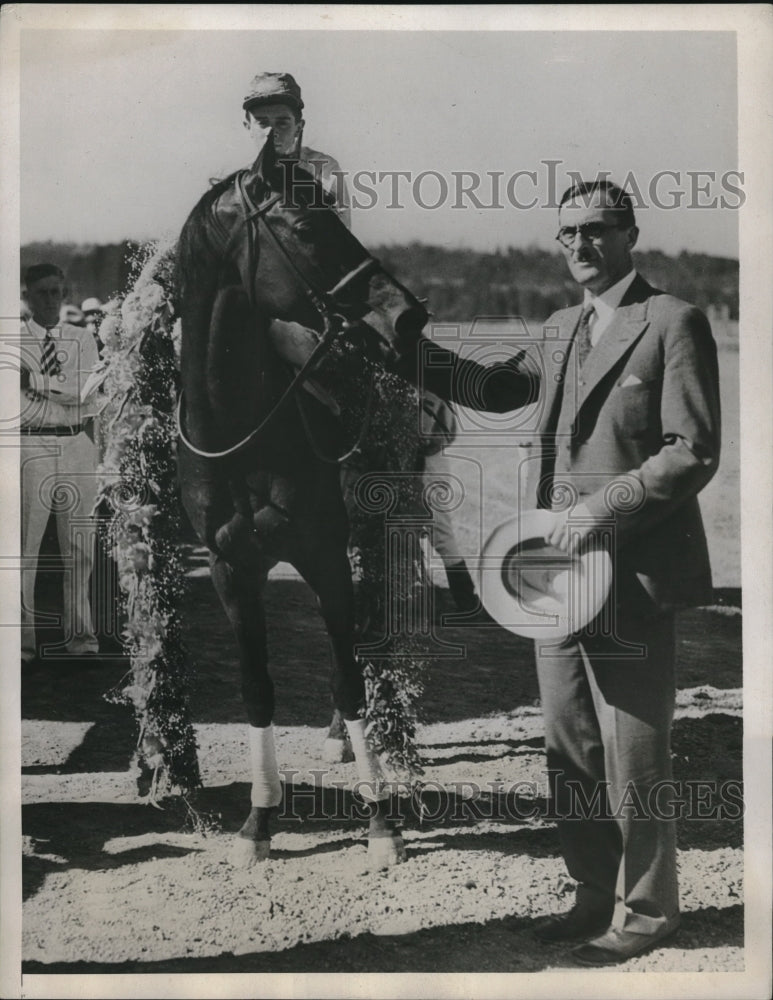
(606,303)
(42,330)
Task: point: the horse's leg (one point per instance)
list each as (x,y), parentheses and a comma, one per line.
(338,747)
(240,591)
(385,844)
(329,575)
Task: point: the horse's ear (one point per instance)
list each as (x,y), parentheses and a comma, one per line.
(265,165)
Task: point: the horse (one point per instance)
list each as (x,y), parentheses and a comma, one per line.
(268,277)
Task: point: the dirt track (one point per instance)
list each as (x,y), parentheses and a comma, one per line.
(112,885)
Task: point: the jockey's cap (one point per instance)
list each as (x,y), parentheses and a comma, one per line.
(266,88)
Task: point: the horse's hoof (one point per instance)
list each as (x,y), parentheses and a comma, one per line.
(384,851)
(337,751)
(247,852)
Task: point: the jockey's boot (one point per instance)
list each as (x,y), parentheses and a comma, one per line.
(237,543)
(272,526)
(272,520)
(462,587)
(465,596)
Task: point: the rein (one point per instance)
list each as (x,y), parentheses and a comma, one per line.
(334,326)
(322,347)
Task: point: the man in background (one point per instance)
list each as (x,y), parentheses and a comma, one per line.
(58,457)
(72,315)
(93,314)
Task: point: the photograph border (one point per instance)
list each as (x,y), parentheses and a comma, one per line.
(753,24)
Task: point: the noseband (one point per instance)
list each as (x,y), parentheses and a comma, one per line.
(326,305)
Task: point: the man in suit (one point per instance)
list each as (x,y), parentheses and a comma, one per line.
(58,457)
(629,434)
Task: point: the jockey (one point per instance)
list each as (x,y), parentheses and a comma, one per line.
(273,105)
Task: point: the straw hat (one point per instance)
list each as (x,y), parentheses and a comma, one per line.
(536,590)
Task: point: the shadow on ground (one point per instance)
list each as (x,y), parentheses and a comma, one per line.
(499,946)
(710,817)
(495,673)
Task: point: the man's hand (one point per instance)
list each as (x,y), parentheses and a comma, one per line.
(570,528)
(513,383)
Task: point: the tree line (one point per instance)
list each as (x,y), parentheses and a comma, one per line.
(458,284)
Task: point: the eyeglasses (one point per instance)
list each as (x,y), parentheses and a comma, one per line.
(591,231)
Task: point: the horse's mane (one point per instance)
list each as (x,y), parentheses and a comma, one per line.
(196,252)
(215,190)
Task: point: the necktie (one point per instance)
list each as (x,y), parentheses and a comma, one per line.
(582,337)
(49,364)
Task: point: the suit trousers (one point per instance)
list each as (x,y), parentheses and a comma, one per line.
(608,705)
(59,474)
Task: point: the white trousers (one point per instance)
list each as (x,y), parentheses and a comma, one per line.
(59,474)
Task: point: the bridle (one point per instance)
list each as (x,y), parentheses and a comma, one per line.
(324,302)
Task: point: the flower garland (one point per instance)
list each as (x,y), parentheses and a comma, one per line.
(138,489)
(390,463)
(140,371)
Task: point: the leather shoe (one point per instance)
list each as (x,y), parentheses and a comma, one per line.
(579,922)
(615,946)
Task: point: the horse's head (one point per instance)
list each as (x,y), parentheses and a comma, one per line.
(263,245)
(308,265)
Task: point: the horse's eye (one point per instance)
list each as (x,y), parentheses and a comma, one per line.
(303,229)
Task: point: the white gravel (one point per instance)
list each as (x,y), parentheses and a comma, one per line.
(189,902)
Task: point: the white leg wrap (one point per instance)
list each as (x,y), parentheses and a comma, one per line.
(369,773)
(266,786)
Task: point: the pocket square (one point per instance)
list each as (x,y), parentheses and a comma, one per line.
(631,380)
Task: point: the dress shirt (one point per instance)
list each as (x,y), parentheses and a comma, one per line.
(605,305)
(54,400)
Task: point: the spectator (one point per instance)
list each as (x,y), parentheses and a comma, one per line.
(58,456)
(71,314)
(93,314)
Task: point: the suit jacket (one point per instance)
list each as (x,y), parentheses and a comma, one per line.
(644,437)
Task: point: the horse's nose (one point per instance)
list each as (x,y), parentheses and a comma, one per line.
(411,320)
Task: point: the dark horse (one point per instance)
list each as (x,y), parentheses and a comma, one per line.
(267,278)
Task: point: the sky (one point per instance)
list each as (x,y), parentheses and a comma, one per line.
(121,130)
